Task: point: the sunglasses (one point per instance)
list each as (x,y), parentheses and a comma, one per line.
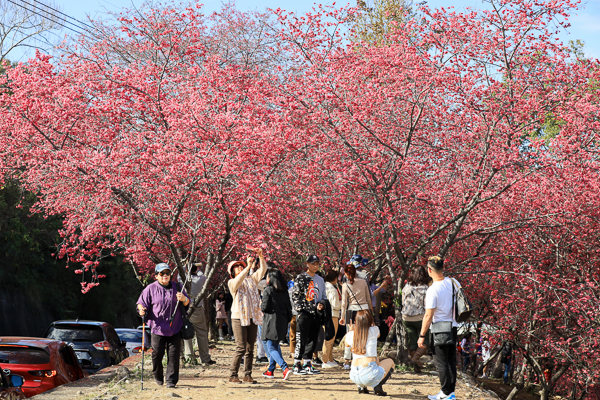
(165,272)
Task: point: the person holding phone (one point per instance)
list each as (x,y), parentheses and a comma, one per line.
(158,302)
(245,312)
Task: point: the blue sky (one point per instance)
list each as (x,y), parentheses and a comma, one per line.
(585,23)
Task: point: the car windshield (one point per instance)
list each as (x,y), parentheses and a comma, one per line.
(130,336)
(76,333)
(23,355)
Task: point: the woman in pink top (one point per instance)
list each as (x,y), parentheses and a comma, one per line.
(245,312)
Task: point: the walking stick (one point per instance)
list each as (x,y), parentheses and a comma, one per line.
(143,346)
(182,288)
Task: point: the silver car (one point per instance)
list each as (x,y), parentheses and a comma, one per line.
(133,339)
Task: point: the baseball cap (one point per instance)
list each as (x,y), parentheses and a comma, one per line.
(356,260)
(312,259)
(161,267)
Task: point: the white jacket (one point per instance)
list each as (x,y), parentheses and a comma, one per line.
(333,295)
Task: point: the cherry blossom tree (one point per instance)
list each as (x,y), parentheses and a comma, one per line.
(433,139)
(472,136)
(157,156)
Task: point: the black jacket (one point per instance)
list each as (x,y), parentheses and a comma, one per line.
(329,327)
(277,311)
(506,352)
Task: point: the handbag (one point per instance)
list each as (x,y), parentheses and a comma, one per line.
(462,307)
(187,329)
(442,333)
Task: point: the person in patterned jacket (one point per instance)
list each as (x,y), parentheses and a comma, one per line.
(309,291)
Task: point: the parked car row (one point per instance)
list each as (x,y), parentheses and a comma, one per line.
(96,344)
(70,350)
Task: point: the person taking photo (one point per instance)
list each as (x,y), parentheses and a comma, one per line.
(245,312)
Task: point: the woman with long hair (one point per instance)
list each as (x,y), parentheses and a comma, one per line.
(366,370)
(245,312)
(335,299)
(277,310)
(413,311)
(356,296)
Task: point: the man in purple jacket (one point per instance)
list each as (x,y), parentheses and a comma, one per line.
(157,302)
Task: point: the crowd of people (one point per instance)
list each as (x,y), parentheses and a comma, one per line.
(262,310)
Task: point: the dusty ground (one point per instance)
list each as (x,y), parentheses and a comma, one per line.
(198,382)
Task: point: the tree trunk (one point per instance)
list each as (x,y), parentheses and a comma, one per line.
(388,340)
(489,360)
(402,348)
(520,379)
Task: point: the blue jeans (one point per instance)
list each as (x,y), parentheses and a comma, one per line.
(466,361)
(261,343)
(274,351)
(369,375)
(506,371)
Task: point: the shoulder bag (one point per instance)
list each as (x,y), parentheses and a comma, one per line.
(462,307)
(187,329)
(442,332)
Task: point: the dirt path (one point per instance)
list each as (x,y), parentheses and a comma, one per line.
(211,383)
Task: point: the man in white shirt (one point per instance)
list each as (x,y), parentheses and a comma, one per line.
(439,307)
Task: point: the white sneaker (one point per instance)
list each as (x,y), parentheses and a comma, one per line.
(346,366)
(442,396)
(330,364)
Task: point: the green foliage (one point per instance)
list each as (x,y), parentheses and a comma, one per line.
(549,130)
(576,47)
(27,244)
(24,239)
(404,368)
(378,20)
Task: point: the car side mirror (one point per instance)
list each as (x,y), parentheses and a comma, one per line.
(16,380)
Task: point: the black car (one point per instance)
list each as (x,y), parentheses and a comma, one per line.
(96,344)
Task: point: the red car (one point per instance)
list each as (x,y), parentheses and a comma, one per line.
(42,363)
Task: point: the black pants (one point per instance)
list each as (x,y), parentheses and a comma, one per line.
(307,335)
(172,345)
(445,363)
